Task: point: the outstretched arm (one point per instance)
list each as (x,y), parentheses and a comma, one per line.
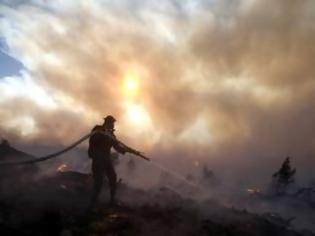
(123,148)
(119,148)
(133,151)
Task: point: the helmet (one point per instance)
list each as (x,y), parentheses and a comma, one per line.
(109,119)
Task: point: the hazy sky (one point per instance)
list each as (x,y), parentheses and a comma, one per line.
(226,81)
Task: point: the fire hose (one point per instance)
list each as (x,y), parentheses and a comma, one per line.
(56,154)
(73,145)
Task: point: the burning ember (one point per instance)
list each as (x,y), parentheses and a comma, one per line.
(62,168)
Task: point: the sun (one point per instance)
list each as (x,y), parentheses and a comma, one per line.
(138,115)
(131,84)
(135,111)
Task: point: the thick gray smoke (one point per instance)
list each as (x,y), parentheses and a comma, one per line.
(227,83)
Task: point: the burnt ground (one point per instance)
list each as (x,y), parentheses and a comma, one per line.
(57,205)
(35,204)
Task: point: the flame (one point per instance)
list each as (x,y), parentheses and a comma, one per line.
(62,168)
(253,190)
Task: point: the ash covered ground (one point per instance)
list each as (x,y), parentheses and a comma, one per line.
(56,204)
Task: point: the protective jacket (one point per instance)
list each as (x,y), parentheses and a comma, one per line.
(100,144)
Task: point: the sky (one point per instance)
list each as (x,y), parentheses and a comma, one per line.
(9,66)
(229,83)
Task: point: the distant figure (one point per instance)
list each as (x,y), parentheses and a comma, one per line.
(99,150)
(283,177)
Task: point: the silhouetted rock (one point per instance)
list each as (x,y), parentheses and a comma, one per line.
(16,173)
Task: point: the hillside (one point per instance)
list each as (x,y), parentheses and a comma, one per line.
(57,205)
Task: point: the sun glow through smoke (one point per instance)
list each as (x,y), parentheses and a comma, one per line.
(137,114)
(131,84)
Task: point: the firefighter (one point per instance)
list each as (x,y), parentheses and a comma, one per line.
(100,144)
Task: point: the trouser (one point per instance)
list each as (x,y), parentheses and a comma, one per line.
(102,165)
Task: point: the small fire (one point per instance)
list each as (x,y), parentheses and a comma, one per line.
(253,190)
(62,168)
